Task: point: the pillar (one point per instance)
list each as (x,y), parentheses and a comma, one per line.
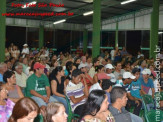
(41,37)
(96,28)
(154,28)
(2,30)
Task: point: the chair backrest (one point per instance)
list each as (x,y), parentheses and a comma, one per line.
(147,99)
(155,115)
(159,94)
(69,106)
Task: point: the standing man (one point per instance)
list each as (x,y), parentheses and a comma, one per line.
(25,50)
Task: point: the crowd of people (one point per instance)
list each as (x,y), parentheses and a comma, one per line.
(105,88)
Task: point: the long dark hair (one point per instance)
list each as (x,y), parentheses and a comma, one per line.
(55,72)
(93,103)
(98,68)
(22,108)
(7,74)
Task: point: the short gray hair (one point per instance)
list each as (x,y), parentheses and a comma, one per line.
(18,64)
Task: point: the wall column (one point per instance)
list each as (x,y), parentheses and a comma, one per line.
(96,28)
(2,30)
(41,37)
(154,28)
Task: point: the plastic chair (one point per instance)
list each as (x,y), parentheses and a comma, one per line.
(160,95)
(147,99)
(154,116)
(71,115)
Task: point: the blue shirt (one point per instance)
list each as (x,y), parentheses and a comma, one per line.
(135,87)
(1,78)
(146,86)
(108,94)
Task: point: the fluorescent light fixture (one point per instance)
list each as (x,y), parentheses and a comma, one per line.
(88,13)
(160,32)
(127,1)
(60,21)
(28,4)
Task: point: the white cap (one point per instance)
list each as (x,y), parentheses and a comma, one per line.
(128,75)
(146,72)
(81,66)
(109,66)
(25,45)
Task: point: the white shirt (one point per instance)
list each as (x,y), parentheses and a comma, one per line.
(112,79)
(95,87)
(21,79)
(26,51)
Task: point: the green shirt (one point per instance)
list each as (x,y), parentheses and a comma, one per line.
(38,84)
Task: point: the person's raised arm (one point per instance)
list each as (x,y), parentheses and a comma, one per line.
(86,93)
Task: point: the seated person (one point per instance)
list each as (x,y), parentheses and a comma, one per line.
(107,87)
(25,110)
(100,74)
(118,70)
(14,91)
(55,112)
(109,68)
(147,83)
(92,71)
(21,77)
(134,96)
(38,87)
(57,85)
(6,105)
(96,108)
(117,108)
(88,78)
(76,91)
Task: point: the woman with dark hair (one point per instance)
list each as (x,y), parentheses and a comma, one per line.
(77,62)
(55,112)
(57,85)
(54,64)
(14,91)
(6,105)
(96,108)
(100,74)
(25,110)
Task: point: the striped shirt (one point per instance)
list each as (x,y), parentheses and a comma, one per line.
(75,90)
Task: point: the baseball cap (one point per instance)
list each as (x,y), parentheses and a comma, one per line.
(146,72)
(109,66)
(38,65)
(25,45)
(81,66)
(128,75)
